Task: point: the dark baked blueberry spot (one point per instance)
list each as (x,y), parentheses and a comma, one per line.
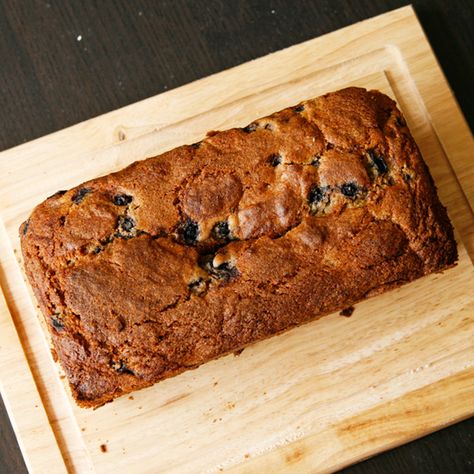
(189,232)
(329,146)
(316,194)
(350,190)
(221,230)
(316,161)
(196,145)
(347,312)
(122,199)
(274,159)
(406,177)
(80,195)
(25,226)
(299,108)
(124,369)
(251,127)
(225,271)
(198,286)
(62,220)
(57,324)
(125,223)
(269,126)
(121,368)
(401,122)
(378,162)
(97,250)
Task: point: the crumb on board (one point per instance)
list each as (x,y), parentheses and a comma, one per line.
(238,352)
(103,448)
(215,383)
(83,429)
(347,312)
(246,455)
(131,397)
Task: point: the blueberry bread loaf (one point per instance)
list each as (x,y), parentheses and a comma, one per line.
(187,256)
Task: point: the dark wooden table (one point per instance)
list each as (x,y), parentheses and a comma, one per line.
(62,62)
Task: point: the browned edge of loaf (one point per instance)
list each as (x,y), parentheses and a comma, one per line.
(200,251)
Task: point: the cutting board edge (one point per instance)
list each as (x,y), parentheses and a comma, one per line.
(399,13)
(27,429)
(449,132)
(452,388)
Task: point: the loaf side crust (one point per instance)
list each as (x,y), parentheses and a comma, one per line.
(195,253)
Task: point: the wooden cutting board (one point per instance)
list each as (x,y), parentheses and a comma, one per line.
(314,399)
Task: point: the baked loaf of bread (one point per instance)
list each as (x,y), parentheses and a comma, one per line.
(187,256)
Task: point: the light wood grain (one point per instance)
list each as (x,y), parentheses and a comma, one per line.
(370,431)
(17,381)
(319,397)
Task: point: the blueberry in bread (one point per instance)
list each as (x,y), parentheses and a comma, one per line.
(190,255)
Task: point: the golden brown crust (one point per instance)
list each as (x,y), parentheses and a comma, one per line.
(184,257)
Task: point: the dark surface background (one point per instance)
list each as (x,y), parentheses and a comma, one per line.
(131,50)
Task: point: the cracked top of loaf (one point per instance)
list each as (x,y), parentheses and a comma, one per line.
(186,256)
